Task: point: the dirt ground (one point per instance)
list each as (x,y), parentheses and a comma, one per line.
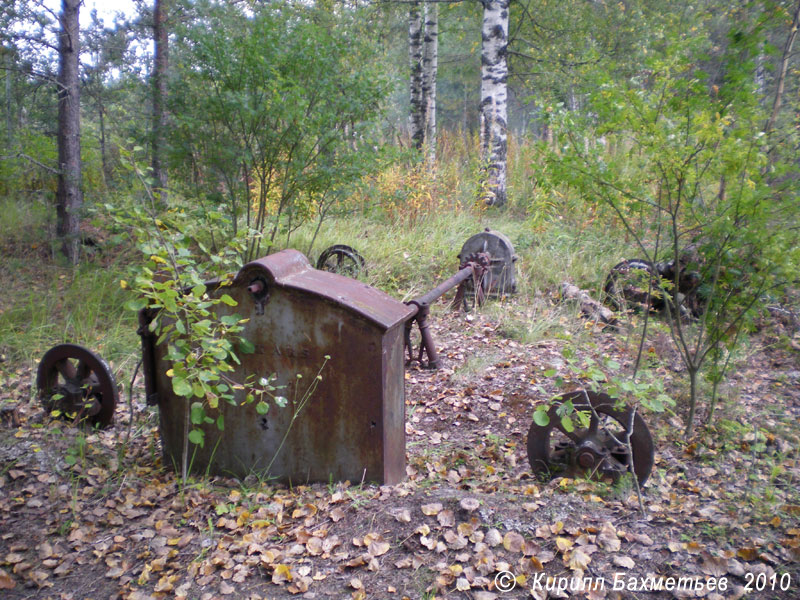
(92,517)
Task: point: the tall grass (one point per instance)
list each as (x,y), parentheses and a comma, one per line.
(44,302)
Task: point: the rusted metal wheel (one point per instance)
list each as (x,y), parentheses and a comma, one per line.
(598,450)
(77,383)
(343,260)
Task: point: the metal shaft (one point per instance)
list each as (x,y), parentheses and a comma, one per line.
(443,288)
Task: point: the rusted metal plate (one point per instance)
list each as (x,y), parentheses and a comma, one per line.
(353,426)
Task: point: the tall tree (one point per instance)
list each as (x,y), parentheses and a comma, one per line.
(430,65)
(160,66)
(494,98)
(423,53)
(415,55)
(69,197)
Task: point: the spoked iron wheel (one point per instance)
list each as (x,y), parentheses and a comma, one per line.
(343,260)
(77,383)
(599,450)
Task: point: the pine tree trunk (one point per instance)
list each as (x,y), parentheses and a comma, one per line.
(494,95)
(69,196)
(415,51)
(160,66)
(430,65)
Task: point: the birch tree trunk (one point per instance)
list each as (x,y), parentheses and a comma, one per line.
(69,196)
(494,95)
(415,52)
(160,66)
(430,65)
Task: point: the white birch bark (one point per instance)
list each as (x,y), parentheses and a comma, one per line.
(415,52)
(494,97)
(430,64)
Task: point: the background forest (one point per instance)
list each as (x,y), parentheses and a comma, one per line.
(144,155)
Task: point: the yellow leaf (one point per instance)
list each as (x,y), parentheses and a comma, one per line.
(432,509)
(379,548)
(281,574)
(564,544)
(748,554)
(314,546)
(579,560)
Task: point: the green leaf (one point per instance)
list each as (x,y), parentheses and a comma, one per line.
(221,422)
(540,417)
(198,413)
(197,437)
(181,387)
(262,408)
(566,423)
(281,401)
(136,304)
(228,300)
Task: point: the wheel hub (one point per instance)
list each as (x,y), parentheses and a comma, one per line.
(600,449)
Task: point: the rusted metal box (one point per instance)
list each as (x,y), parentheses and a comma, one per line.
(352,427)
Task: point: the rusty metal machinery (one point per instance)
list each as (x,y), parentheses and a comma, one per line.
(343,260)
(601,449)
(77,383)
(352,427)
(500,278)
(639,284)
(298,319)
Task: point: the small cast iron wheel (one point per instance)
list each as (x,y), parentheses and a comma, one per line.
(343,260)
(599,449)
(628,283)
(78,383)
